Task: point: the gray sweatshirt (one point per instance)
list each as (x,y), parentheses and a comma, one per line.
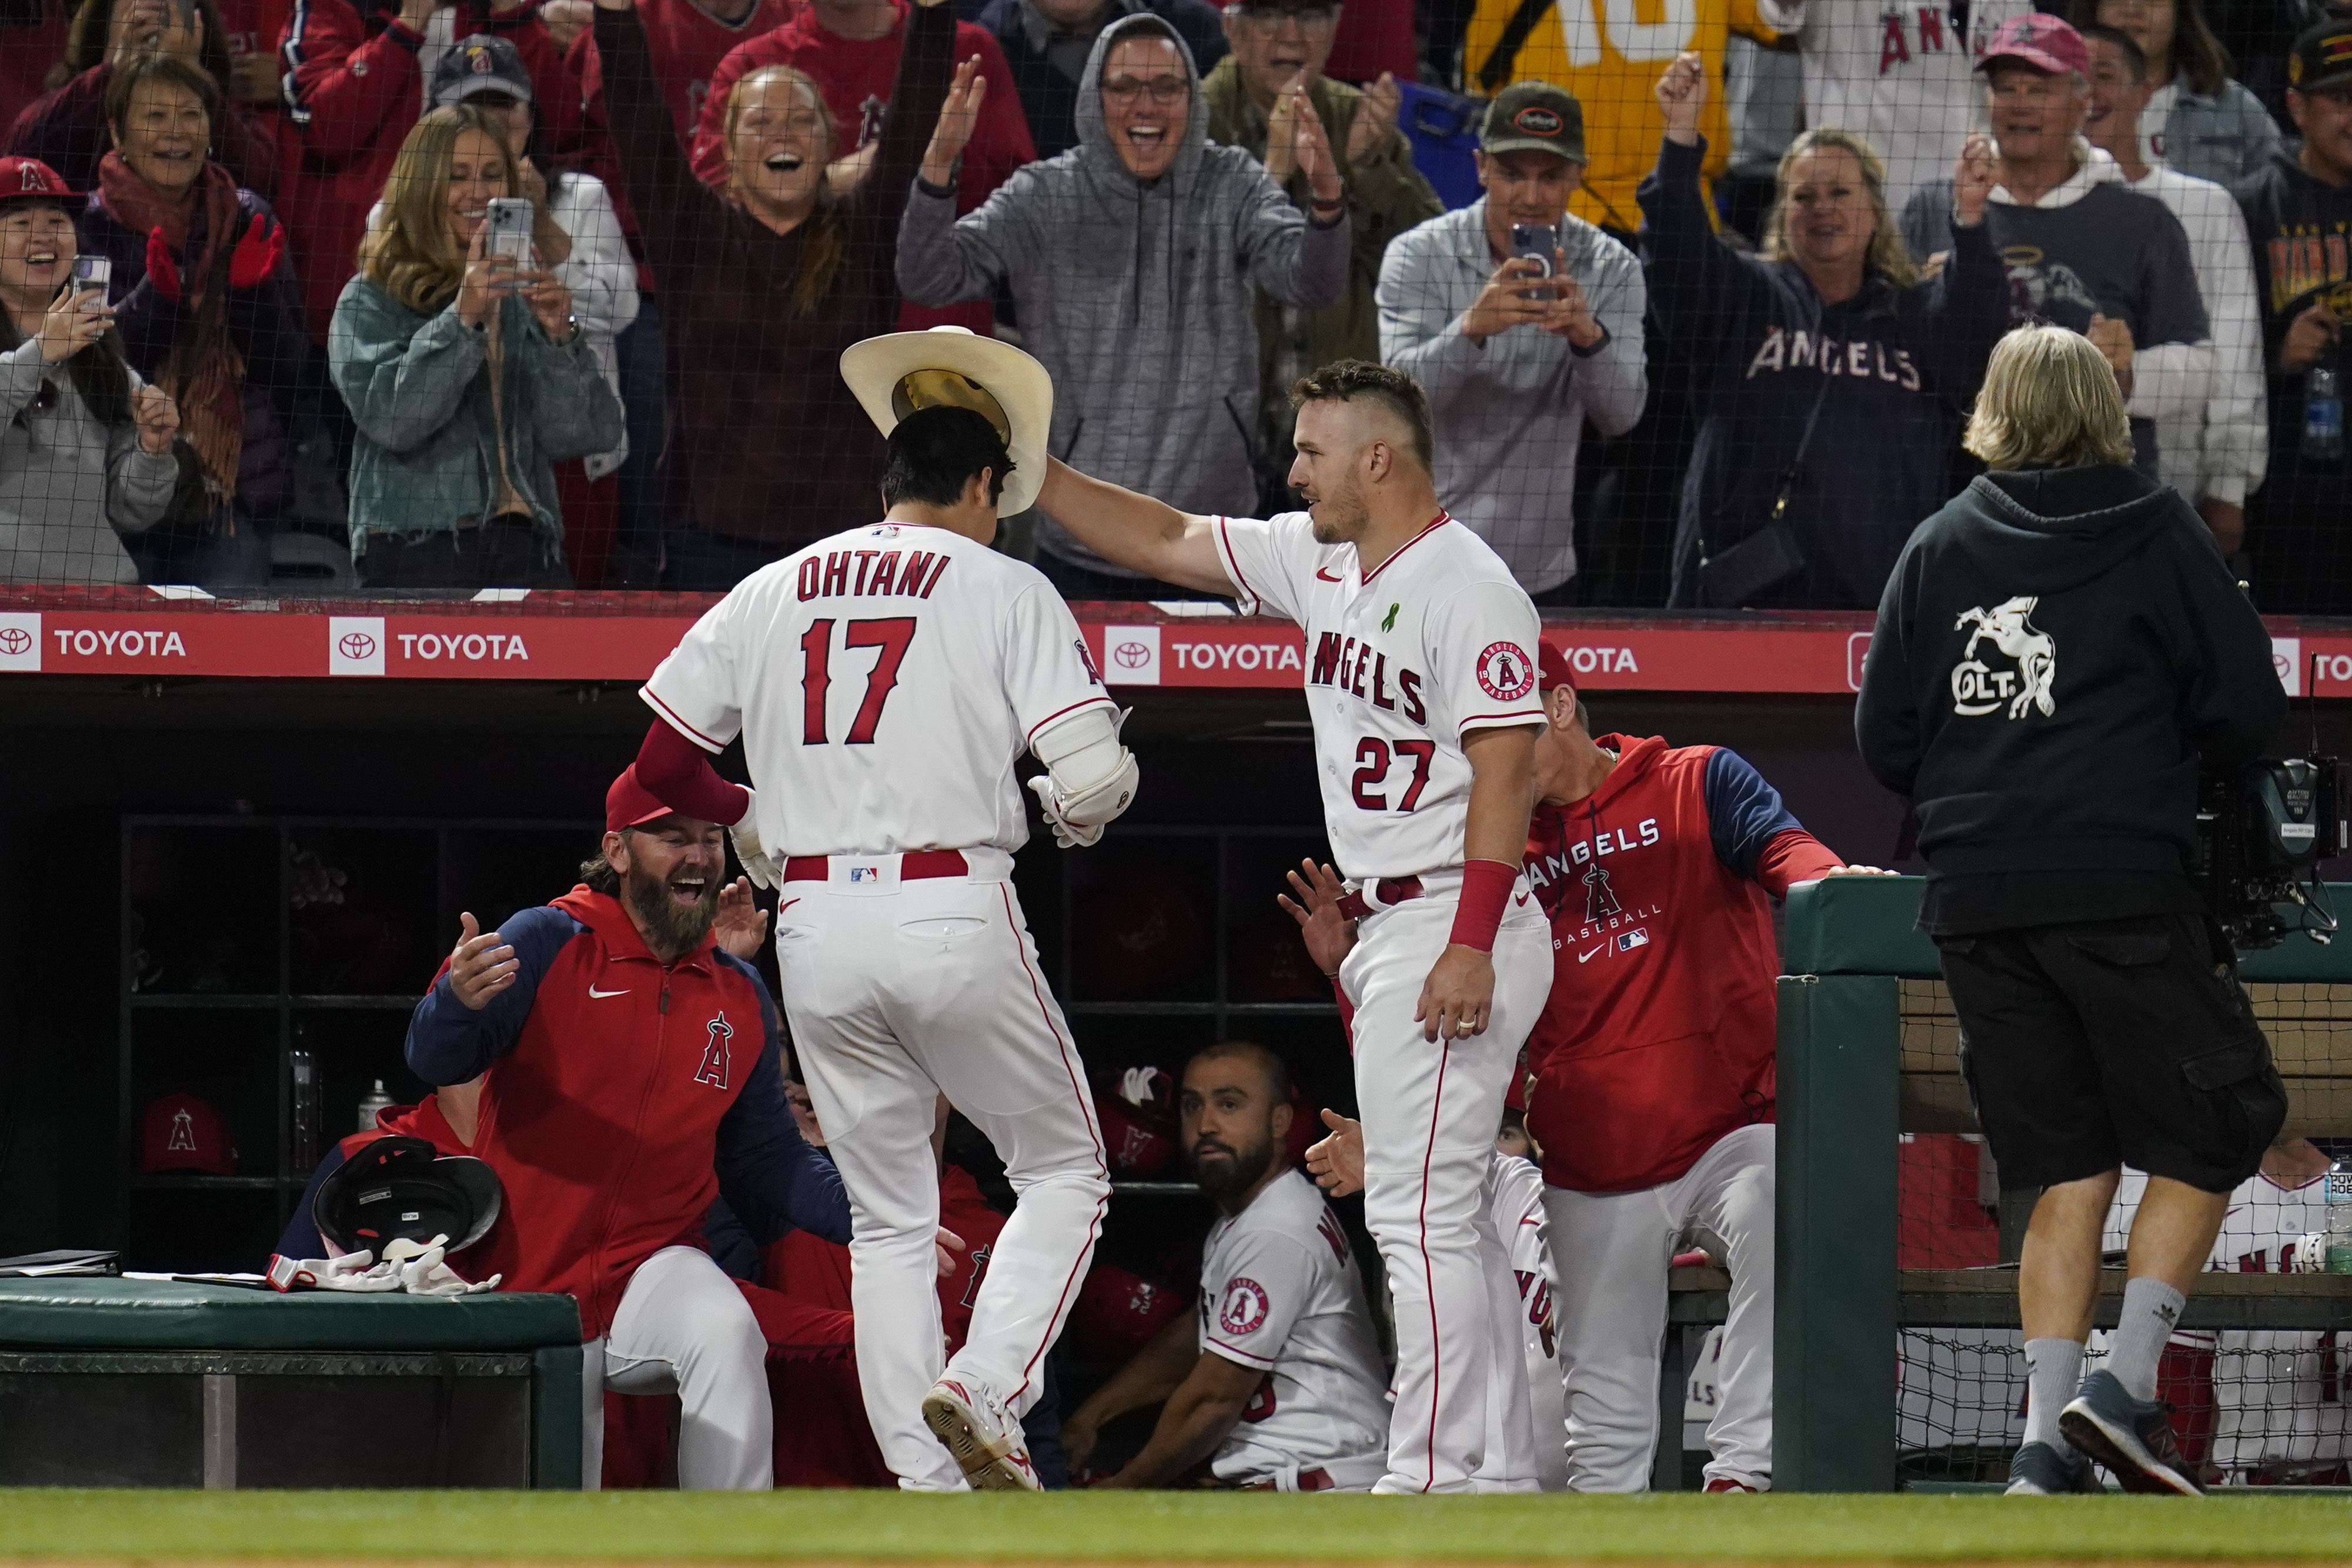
(69,487)
(1137,296)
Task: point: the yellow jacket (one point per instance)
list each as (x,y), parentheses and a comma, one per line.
(1610,54)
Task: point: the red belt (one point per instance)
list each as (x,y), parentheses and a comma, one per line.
(915,865)
(1354,905)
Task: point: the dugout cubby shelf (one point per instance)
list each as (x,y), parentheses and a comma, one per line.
(244,937)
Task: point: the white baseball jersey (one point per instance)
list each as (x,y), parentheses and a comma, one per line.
(885,681)
(1438,641)
(1280,1292)
(2279,1395)
(1902,73)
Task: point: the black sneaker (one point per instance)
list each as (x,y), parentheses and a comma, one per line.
(2039,1469)
(2128,1435)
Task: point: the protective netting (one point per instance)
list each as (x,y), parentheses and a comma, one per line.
(2257,1381)
(250,345)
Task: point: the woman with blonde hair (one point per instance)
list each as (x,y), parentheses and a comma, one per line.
(1830,376)
(766,279)
(465,374)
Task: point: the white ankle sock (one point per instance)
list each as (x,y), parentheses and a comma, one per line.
(2053,1370)
(2151,1312)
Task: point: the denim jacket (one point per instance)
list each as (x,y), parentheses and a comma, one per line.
(2226,138)
(419,388)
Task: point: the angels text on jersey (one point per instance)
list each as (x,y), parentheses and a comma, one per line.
(1577,869)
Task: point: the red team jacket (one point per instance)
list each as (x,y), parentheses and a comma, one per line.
(1658,1038)
(620,1095)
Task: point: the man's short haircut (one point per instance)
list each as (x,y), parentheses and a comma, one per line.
(934,454)
(1277,1075)
(2134,56)
(2049,401)
(1344,381)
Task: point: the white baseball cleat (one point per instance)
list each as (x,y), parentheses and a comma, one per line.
(985,1437)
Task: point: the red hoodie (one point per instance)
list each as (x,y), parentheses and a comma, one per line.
(1658,1038)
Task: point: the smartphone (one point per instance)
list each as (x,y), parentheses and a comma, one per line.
(1537,242)
(92,275)
(509,222)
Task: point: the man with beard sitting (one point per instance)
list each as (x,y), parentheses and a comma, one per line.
(1278,1386)
(630,1067)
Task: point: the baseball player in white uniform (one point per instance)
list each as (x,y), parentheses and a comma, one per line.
(884,682)
(1516,1203)
(1422,685)
(2278,1397)
(1276,1383)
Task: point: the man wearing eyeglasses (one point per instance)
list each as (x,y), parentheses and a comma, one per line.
(1134,260)
(1048,42)
(1279,50)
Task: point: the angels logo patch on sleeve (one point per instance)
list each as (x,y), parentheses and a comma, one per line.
(1505,673)
(1243,1308)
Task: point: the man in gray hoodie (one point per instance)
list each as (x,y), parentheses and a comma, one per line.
(1133,258)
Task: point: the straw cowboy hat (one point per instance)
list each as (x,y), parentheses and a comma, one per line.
(898,373)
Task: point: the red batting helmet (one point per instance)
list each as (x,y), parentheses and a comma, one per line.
(1138,1109)
(1117,1313)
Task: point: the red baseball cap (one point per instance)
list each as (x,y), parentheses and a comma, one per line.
(2041,41)
(182,1133)
(31,177)
(1553,666)
(629,804)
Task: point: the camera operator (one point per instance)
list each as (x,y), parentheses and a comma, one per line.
(2055,652)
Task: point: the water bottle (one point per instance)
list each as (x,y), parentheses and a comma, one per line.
(372,1105)
(304,1069)
(2323,412)
(2339,1218)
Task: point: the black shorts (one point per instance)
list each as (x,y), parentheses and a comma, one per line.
(2114,1043)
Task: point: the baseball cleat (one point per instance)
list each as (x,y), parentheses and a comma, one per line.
(2128,1435)
(985,1437)
(2040,1470)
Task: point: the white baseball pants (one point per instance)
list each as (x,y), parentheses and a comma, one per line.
(683,1328)
(1430,1112)
(1516,1460)
(1613,1251)
(900,992)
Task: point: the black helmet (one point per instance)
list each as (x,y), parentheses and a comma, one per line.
(401,1187)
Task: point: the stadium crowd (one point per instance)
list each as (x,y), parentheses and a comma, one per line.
(1764,259)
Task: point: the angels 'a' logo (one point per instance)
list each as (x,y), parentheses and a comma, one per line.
(713,1070)
(1505,673)
(183,1133)
(1244,1306)
(1599,898)
(1977,689)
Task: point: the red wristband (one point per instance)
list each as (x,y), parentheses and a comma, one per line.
(1486,889)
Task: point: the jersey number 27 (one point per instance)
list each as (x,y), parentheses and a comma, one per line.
(892,636)
(1372,772)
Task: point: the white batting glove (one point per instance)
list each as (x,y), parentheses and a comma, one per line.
(1069,834)
(354,1272)
(2311,1253)
(757,866)
(422,1271)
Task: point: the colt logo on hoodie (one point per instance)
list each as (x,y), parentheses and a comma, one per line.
(713,1070)
(2031,655)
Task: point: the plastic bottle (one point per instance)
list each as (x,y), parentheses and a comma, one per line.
(2339,1218)
(304,1069)
(2323,411)
(373,1103)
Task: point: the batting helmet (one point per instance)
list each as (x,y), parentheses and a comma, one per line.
(1138,1120)
(1117,1313)
(401,1187)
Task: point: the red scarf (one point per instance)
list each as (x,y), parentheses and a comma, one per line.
(202,370)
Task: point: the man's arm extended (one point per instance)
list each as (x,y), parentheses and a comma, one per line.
(1193,1423)
(1134,531)
(1150,1375)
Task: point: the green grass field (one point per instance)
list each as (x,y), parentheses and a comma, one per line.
(1112,1527)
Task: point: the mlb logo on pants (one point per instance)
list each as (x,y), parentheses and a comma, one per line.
(865,874)
(1633,939)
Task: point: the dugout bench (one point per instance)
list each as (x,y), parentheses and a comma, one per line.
(112,1382)
(1866,1055)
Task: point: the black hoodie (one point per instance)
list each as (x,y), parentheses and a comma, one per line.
(2055,651)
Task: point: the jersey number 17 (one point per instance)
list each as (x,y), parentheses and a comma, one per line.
(892,636)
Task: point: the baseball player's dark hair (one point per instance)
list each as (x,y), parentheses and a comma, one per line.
(1343,381)
(1277,1072)
(934,453)
(2125,44)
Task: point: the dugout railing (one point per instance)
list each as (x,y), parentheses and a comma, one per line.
(1868,1052)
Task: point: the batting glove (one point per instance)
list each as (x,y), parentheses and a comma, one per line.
(1069,834)
(423,1272)
(757,866)
(354,1272)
